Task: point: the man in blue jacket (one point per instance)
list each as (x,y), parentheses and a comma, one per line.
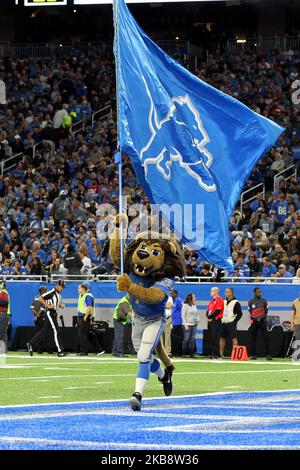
(176,318)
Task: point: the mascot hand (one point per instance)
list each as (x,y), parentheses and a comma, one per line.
(121,218)
(123,283)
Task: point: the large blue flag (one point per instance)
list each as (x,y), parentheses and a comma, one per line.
(189,143)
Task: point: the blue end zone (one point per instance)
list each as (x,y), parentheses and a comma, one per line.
(252,420)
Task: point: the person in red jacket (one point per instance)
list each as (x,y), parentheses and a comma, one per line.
(214,315)
(4,316)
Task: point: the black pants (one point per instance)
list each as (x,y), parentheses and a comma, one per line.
(83,328)
(39,325)
(214,330)
(253,330)
(176,340)
(49,332)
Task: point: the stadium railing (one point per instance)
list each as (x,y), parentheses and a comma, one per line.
(103,49)
(251,193)
(266,44)
(35,148)
(10,162)
(97,115)
(285,175)
(113,277)
(50,50)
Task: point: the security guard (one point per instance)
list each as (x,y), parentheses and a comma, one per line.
(85,313)
(4,316)
(121,319)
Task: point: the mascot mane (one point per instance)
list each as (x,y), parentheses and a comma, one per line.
(174,260)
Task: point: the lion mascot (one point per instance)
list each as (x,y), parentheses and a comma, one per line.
(150,266)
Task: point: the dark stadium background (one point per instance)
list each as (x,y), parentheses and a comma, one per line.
(186,19)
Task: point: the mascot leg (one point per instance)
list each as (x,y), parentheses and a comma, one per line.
(145,337)
(163,356)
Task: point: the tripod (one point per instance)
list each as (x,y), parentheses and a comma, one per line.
(290,346)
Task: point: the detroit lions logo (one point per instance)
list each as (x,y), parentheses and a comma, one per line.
(181,137)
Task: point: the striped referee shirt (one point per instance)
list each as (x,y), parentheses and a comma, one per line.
(52,297)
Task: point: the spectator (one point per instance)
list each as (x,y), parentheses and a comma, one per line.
(189,324)
(266,223)
(283,273)
(176,318)
(72,261)
(254,266)
(36,268)
(86,261)
(280,209)
(269,269)
(241,268)
(61,206)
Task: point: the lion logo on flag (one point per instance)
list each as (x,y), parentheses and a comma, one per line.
(180,136)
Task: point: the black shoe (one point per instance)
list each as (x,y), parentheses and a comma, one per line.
(61,354)
(29,349)
(136,401)
(167,383)
(253,358)
(82,354)
(269,358)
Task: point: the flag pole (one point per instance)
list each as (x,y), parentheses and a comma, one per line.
(119,150)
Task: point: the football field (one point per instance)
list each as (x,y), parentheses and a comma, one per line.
(82,403)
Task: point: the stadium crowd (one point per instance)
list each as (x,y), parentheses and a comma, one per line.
(50,217)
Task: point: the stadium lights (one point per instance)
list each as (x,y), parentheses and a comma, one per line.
(241,41)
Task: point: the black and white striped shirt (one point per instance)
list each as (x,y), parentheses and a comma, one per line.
(53,297)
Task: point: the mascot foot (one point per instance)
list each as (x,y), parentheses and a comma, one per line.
(167,383)
(136,401)
(170,369)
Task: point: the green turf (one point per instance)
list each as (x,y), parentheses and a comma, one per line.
(25,380)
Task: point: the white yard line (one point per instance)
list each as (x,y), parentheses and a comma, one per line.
(41,380)
(165,399)
(64,368)
(51,396)
(133,445)
(229,372)
(77,388)
(133,359)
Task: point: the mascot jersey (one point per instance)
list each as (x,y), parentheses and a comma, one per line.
(151,310)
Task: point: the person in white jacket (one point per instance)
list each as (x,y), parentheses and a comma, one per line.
(189,324)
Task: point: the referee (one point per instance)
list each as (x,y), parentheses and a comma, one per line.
(52,301)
